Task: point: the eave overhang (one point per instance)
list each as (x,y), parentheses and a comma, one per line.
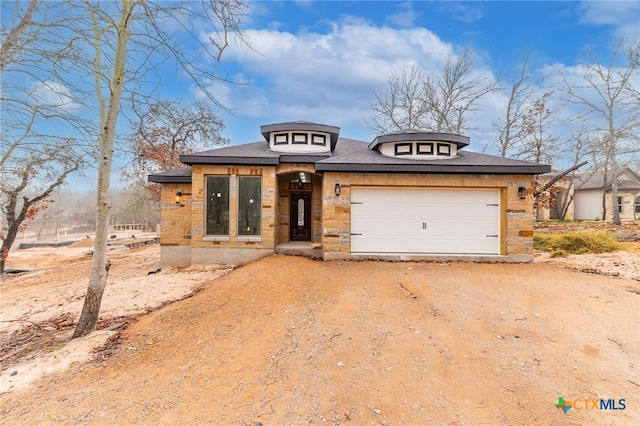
(169,179)
(433,168)
(201,159)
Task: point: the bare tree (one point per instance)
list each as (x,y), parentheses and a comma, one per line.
(539,143)
(609,107)
(137,205)
(142,28)
(414,99)
(19,205)
(401,105)
(164,131)
(509,127)
(83,64)
(37,154)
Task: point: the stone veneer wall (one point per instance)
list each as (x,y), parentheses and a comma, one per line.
(628,204)
(240,248)
(516,221)
(282,221)
(175,225)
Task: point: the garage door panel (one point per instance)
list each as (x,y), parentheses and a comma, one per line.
(419,220)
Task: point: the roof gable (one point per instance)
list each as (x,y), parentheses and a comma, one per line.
(627,179)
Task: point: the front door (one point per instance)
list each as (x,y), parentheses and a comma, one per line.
(300,216)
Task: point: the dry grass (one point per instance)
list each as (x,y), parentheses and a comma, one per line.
(578,242)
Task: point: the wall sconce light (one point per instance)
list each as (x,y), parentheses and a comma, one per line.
(178,197)
(337,189)
(522,192)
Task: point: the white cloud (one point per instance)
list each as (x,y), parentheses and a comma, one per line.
(405,17)
(609,12)
(465,12)
(623,16)
(326,76)
(54,96)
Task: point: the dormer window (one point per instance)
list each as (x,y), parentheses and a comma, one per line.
(403,149)
(420,145)
(281,139)
(444,149)
(424,148)
(320,140)
(300,137)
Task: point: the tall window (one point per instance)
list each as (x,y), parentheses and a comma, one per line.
(619,204)
(217,208)
(249,205)
(638,204)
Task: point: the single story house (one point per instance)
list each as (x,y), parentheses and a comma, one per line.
(305,189)
(593,196)
(563,193)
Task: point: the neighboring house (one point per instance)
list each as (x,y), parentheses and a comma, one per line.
(562,192)
(304,189)
(592,195)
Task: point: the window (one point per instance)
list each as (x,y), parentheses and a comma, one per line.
(444,149)
(249,205)
(403,149)
(638,204)
(319,140)
(619,204)
(424,148)
(299,138)
(217,205)
(281,139)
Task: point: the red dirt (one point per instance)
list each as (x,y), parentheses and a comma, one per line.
(289,340)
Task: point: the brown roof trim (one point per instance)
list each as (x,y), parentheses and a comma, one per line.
(434,168)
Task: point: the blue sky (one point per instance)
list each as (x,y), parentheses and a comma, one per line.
(321,60)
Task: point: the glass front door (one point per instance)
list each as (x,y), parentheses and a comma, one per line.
(300,216)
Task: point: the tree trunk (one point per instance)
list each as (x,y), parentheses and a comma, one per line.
(8,241)
(614,201)
(99,267)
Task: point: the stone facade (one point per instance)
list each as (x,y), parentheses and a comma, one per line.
(175,225)
(516,215)
(481,205)
(206,249)
(183,229)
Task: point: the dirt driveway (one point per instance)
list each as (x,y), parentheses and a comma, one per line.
(288,340)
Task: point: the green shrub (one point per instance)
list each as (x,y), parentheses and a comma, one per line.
(579,242)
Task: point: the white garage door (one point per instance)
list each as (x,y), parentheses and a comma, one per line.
(423,221)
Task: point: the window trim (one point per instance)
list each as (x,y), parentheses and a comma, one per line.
(286,139)
(397,152)
(446,152)
(217,237)
(305,142)
(239,235)
(421,145)
(319,136)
